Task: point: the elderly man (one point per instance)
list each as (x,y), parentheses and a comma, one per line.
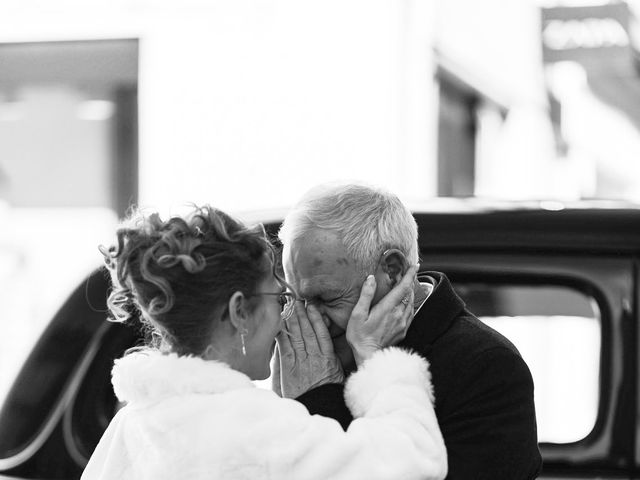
(337,235)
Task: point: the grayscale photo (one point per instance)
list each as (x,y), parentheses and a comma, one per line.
(319,240)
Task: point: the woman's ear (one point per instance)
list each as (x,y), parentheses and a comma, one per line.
(237,307)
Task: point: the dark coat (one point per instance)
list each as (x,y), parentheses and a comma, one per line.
(483,390)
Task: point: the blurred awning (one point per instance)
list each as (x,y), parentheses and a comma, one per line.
(599,38)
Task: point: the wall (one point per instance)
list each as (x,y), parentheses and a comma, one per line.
(247,104)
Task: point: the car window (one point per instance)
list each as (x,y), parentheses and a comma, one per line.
(557,330)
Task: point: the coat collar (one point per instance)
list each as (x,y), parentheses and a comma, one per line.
(149,375)
(436,315)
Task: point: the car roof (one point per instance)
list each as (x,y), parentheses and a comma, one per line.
(475,224)
(593,226)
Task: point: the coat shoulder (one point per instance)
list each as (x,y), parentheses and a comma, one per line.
(470,335)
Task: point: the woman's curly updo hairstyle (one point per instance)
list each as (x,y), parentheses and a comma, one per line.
(178,275)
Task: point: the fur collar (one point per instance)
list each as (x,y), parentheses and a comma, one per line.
(148,375)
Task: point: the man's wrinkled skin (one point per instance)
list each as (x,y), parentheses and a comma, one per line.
(320,269)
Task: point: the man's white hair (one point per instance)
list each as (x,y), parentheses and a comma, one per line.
(368,220)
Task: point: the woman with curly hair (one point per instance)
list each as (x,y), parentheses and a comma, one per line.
(206,288)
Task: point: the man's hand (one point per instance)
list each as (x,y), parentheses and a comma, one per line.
(305,354)
(386,323)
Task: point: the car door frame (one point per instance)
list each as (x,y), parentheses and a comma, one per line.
(609,449)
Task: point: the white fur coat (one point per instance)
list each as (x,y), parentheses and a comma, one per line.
(187,418)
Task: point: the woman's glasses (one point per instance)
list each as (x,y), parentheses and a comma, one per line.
(287,301)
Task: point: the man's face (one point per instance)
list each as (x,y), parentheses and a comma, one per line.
(323,274)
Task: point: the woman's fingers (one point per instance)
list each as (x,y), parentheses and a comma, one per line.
(402,290)
(384,324)
(303,362)
(295,332)
(404,315)
(284,346)
(310,342)
(320,330)
(361,310)
(276,383)
(408,307)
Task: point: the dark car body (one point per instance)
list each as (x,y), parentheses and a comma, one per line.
(62,400)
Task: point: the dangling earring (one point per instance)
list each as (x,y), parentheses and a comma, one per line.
(244,348)
(208,352)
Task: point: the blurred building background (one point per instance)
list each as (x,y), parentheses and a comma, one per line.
(229,102)
(245,104)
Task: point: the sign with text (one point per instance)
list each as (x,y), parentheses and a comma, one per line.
(595,36)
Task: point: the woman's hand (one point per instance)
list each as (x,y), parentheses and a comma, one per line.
(305,354)
(386,323)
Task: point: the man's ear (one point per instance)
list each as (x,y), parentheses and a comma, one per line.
(237,308)
(390,269)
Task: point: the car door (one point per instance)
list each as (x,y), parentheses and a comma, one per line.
(62,401)
(571,315)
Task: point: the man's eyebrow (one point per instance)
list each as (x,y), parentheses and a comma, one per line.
(318,289)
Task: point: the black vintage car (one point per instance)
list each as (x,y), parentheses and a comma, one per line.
(560,281)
